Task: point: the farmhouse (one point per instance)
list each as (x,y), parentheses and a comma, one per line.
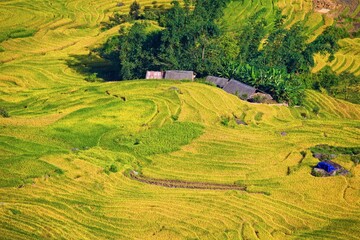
(154,75)
(239,89)
(179,75)
(219,82)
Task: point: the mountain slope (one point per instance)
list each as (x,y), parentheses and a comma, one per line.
(68,146)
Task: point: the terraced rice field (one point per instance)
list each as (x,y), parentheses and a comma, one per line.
(238,11)
(65,136)
(346,59)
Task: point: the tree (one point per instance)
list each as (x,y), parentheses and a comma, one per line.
(327,42)
(134,12)
(133,54)
(328,79)
(250,39)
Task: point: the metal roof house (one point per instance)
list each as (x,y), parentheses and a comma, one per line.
(154,75)
(219,82)
(179,75)
(239,89)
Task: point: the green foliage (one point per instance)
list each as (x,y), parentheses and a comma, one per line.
(277,82)
(328,79)
(355,159)
(17,33)
(316,109)
(136,48)
(343,86)
(113,168)
(15,211)
(190,39)
(327,149)
(135,10)
(225,120)
(186,41)
(92,77)
(327,42)
(258,116)
(347,87)
(59,171)
(4,113)
(137,141)
(250,38)
(287,48)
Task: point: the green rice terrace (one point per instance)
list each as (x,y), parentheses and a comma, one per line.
(163,159)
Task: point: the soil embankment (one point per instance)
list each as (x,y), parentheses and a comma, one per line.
(184,184)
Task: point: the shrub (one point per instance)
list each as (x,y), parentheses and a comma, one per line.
(175,117)
(4,113)
(243,96)
(137,141)
(316,110)
(91,78)
(113,168)
(59,171)
(225,120)
(356,159)
(258,99)
(304,115)
(15,211)
(258,116)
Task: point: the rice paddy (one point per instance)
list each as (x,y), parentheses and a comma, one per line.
(68,146)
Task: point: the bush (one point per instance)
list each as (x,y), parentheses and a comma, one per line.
(243,96)
(258,99)
(356,159)
(91,78)
(225,120)
(316,110)
(175,117)
(59,171)
(137,141)
(113,168)
(4,113)
(258,116)
(304,115)
(15,211)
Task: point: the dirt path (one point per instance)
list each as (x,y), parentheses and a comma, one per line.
(184,184)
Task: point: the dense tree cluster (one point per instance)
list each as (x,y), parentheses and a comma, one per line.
(188,38)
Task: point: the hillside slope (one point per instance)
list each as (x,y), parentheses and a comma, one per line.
(68,146)
(57,153)
(347,59)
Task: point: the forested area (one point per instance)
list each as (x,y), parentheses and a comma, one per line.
(187,37)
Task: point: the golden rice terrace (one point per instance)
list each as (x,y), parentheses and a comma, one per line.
(148,159)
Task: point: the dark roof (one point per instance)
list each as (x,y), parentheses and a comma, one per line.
(179,75)
(219,82)
(238,88)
